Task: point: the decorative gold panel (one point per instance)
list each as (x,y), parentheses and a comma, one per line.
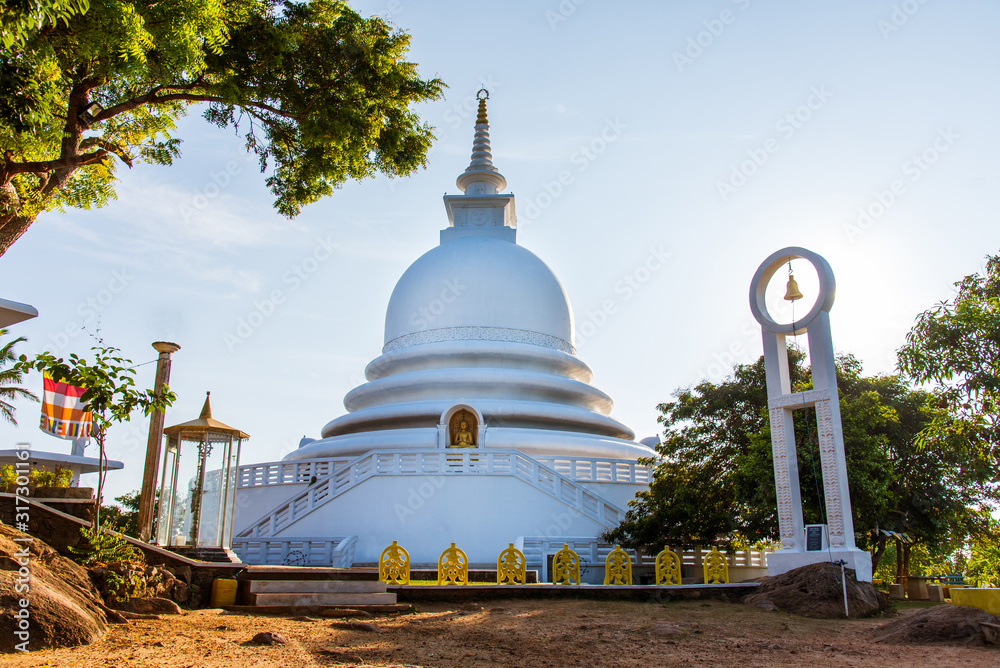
(566,567)
(618,567)
(453,567)
(716,568)
(511,566)
(668,568)
(394,565)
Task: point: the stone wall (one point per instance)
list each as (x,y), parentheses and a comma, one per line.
(62,532)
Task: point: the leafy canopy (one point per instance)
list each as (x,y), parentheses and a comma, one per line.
(10,380)
(957,345)
(320,94)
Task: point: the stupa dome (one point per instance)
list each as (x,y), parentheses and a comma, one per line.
(479,326)
(479,288)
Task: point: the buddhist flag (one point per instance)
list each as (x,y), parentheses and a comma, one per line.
(64,413)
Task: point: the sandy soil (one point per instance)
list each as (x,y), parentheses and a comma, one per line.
(510,633)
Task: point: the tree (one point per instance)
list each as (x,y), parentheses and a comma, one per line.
(321,95)
(713,476)
(110,393)
(123,517)
(10,380)
(20,19)
(957,345)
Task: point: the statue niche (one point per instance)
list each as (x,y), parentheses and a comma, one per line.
(462,430)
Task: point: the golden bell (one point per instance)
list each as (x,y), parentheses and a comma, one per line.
(792,291)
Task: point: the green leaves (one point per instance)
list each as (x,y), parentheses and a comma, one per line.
(20,20)
(956,344)
(10,380)
(321,94)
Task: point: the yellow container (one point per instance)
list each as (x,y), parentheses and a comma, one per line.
(223,592)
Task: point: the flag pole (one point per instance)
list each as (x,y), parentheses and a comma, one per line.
(148,493)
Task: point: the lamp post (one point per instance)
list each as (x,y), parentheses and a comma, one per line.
(148,493)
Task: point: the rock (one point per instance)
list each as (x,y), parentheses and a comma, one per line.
(149,606)
(135,615)
(954,624)
(182,573)
(355,626)
(268,638)
(816,591)
(346,613)
(65,609)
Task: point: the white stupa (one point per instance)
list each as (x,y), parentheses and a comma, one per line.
(478,424)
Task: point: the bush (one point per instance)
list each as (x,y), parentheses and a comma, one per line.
(39,477)
(104,547)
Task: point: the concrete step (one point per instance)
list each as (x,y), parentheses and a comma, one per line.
(330,611)
(323,599)
(316,587)
(307,573)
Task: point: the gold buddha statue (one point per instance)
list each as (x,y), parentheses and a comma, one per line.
(463,437)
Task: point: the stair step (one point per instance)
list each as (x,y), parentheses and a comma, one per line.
(316,587)
(324,599)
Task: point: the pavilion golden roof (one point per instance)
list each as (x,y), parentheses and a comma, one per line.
(205,424)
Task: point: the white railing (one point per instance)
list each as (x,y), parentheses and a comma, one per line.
(287,473)
(580,469)
(587,469)
(335,551)
(438,462)
(593,552)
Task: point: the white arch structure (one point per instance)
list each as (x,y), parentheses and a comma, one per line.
(825,400)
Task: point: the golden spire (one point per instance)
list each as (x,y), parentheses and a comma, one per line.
(481,117)
(206,410)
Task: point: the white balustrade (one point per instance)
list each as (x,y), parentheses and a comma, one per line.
(436,462)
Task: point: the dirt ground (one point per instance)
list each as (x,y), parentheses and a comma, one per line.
(510,633)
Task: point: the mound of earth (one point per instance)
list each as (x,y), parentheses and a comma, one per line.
(65,610)
(941,624)
(816,591)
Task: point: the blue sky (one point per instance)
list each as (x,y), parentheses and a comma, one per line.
(711,132)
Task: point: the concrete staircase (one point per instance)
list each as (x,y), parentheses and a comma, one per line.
(297,590)
(295,593)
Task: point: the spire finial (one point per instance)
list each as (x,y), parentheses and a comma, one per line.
(206,410)
(481,177)
(482,96)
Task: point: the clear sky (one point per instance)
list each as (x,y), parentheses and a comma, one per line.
(694,137)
